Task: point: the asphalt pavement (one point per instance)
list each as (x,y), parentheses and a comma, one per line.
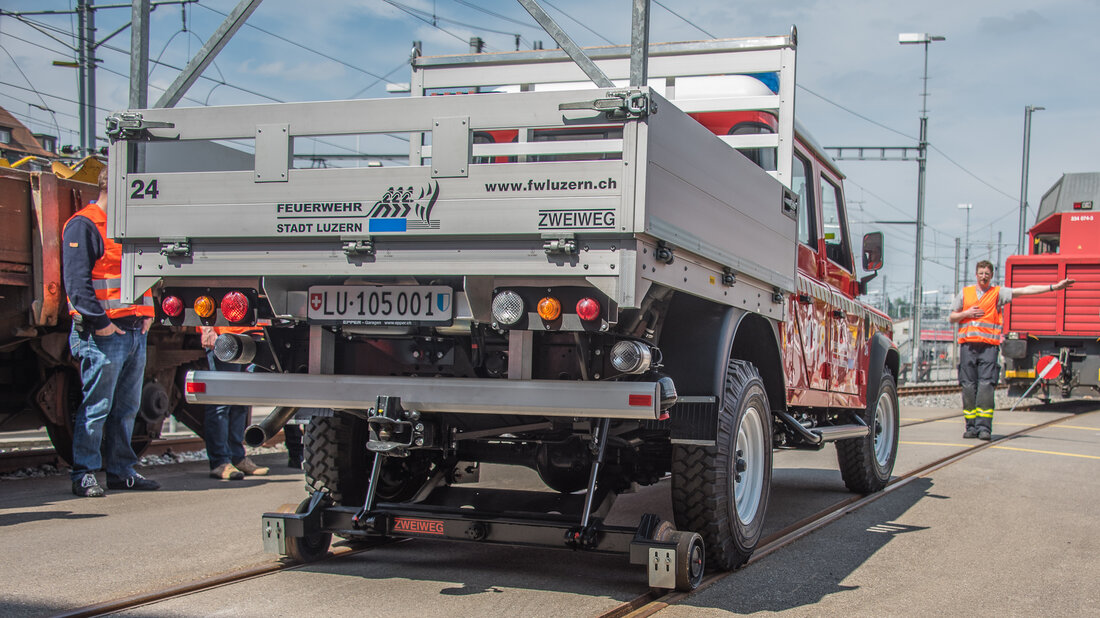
(1009,530)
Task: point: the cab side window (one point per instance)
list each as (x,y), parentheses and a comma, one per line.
(801,184)
(836,232)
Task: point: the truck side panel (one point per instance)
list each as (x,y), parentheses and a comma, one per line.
(748,226)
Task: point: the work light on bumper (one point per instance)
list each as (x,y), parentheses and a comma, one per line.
(631,357)
(235,306)
(507,308)
(234,348)
(172,306)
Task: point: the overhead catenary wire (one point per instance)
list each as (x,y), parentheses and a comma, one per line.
(691,23)
(297,44)
(430,22)
(578,22)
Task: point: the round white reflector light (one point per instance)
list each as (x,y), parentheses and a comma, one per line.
(507,308)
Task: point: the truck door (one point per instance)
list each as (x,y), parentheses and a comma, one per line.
(845,319)
(807,354)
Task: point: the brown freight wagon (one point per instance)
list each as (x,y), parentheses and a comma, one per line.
(39,382)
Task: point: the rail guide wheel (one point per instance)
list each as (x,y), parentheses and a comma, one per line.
(676,559)
(309,547)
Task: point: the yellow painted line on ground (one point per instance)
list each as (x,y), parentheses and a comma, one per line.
(1029,450)
(916,420)
(1006,448)
(938,444)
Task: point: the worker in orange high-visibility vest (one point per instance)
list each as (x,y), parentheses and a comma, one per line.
(224,425)
(977,310)
(108,340)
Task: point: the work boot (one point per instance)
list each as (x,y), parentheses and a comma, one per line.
(294,462)
(226,472)
(250,468)
(88,487)
(970,433)
(985,434)
(136,482)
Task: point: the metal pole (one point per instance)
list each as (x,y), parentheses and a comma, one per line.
(139,70)
(89,76)
(1020,249)
(922,162)
(209,51)
(956,293)
(567,45)
(966,258)
(996,273)
(639,44)
(81,96)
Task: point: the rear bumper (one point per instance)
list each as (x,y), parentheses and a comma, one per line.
(619,400)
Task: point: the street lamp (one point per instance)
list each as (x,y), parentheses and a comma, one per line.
(966,250)
(1020,249)
(921,38)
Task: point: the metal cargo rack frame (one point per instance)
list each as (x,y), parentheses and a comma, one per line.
(678,207)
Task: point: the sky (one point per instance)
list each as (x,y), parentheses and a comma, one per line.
(857,86)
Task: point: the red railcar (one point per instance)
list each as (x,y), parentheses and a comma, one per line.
(1064,243)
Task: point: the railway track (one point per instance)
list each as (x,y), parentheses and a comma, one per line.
(928,389)
(645,604)
(10,461)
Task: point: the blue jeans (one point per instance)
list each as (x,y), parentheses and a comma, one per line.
(112,369)
(223,427)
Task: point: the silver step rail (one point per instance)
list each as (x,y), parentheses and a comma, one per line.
(554,398)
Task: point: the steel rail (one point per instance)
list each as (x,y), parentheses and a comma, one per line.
(652,602)
(10,461)
(232,577)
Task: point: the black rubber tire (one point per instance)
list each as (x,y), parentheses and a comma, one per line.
(337,460)
(866,463)
(704,489)
(331,463)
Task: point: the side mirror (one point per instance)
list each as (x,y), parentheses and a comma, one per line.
(872,251)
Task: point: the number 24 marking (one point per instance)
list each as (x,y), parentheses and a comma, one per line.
(141,189)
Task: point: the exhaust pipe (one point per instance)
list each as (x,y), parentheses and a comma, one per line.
(262,432)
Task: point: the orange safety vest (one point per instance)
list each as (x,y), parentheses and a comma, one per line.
(107,272)
(986,329)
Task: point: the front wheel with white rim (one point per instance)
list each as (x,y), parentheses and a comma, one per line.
(722,491)
(866,463)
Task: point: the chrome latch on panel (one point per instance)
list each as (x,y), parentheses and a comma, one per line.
(131,126)
(618,104)
(175,247)
(560,246)
(359,247)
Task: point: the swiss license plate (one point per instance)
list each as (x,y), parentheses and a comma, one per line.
(382,304)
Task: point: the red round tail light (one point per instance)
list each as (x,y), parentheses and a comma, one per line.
(172,306)
(234,306)
(588,309)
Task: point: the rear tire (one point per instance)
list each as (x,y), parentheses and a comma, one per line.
(866,463)
(337,461)
(722,491)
